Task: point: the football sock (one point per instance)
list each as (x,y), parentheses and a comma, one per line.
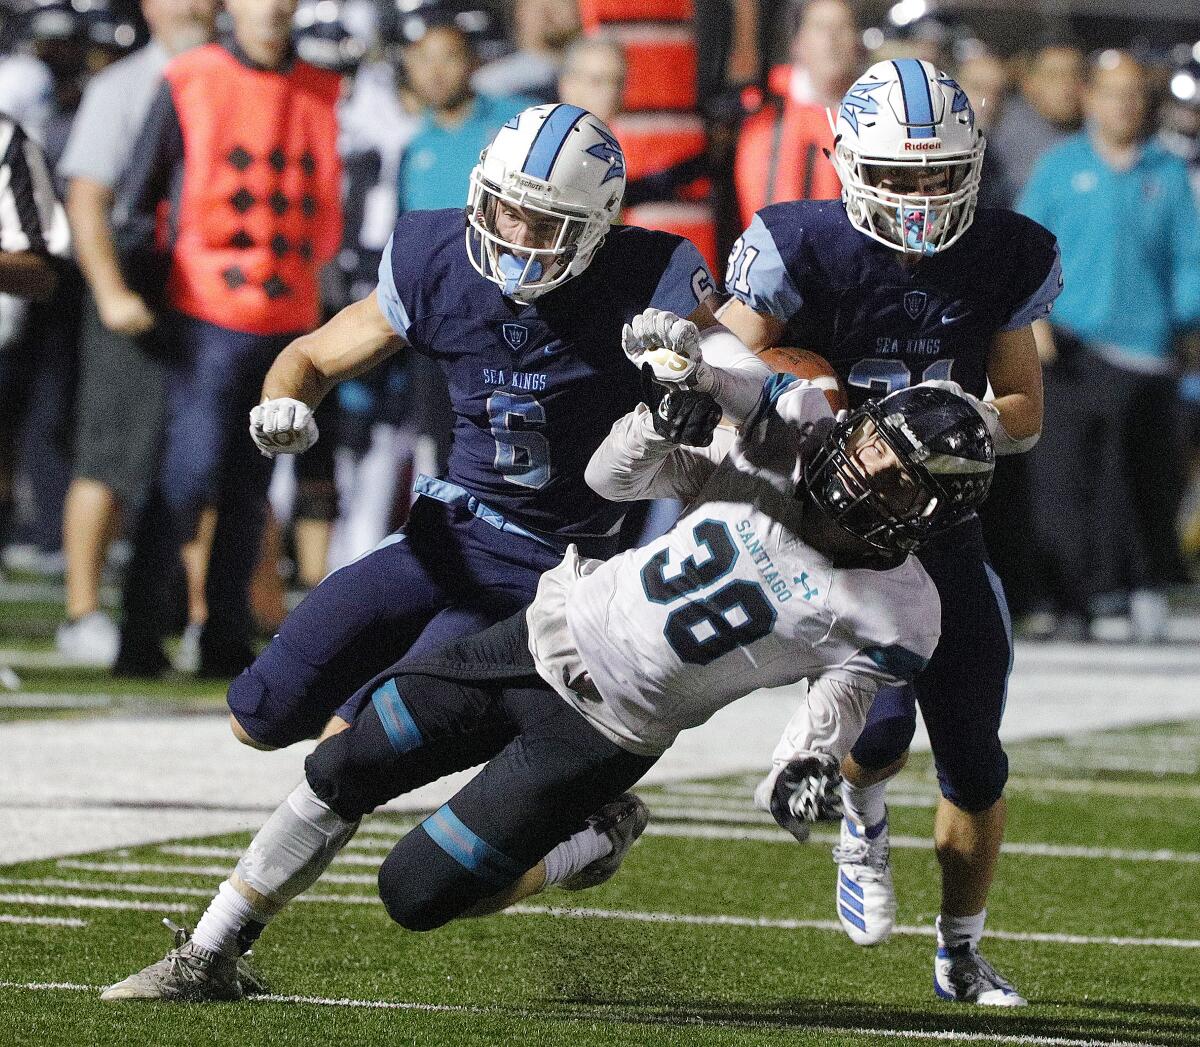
(960,930)
(867,805)
(585,847)
(230,924)
(288,855)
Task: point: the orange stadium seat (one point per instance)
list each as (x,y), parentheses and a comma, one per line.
(596,13)
(661,66)
(695,221)
(656,141)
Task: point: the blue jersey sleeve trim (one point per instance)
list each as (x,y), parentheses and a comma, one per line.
(758,276)
(773,388)
(1038,305)
(389,296)
(685,282)
(401,730)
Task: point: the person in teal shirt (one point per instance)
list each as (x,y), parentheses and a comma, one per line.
(456,124)
(1108,471)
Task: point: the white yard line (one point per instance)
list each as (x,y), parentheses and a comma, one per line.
(219,871)
(56,700)
(644,1017)
(722,920)
(699,920)
(76,901)
(44,921)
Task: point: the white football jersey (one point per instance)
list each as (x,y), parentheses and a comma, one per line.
(659,638)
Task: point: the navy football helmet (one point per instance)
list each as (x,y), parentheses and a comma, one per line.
(946,460)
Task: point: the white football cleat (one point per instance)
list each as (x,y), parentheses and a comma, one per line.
(92,640)
(962,974)
(866,898)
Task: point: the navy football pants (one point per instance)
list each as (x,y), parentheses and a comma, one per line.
(962,690)
(448,574)
(473,700)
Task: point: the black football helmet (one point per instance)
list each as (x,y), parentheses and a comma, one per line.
(943,445)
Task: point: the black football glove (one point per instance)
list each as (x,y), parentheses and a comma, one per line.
(684,416)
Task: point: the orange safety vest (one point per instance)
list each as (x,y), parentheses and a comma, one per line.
(259,211)
(780,152)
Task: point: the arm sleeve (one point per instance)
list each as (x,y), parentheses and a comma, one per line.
(95,146)
(389,295)
(685,283)
(634,462)
(736,374)
(829,719)
(758,276)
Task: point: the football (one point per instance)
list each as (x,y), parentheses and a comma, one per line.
(811,366)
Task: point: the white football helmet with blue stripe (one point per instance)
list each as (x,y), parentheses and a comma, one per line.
(553,160)
(909,156)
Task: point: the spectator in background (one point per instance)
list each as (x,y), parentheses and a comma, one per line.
(1106,474)
(1046,110)
(542,29)
(984,76)
(456,123)
(241,144)
(32,228)
(118,425)
(593,76)
(781,150)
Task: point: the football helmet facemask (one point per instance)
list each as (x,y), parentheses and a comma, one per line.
(945,457)
(562,169)
(909,156)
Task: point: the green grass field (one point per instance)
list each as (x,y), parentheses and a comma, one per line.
(717,931)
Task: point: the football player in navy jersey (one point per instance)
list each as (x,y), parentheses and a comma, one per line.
(522,304)
(902,282)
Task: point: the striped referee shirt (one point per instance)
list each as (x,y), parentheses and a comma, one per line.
(31,218)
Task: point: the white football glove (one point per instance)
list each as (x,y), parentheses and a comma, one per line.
(669,344)
(990,414)
(283,426)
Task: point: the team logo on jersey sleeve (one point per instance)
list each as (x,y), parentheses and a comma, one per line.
(914,303)
(516,335)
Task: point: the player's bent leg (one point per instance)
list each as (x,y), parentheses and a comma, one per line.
(864,894)
(286,857)
(535,795)
(353,625)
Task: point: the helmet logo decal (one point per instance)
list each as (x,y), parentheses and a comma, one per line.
(918,104)
(516,335)
(914,303)
(608,150)
(858,101)
(550,139)
(513,123)
(960,103)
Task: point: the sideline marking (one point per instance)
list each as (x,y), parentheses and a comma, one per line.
(635,1017)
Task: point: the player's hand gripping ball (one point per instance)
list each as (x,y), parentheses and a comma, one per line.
(283,426)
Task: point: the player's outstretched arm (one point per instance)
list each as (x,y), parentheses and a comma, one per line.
(352,342)
(635,461)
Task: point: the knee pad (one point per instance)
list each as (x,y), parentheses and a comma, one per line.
(884,739)
(270,712)
(421,888)
(346,770)
(976,784)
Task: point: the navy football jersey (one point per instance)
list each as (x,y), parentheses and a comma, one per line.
(884,326)
(534,388)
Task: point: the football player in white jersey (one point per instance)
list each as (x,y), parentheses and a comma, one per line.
(793,561)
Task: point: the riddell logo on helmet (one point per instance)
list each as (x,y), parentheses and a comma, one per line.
(922,146)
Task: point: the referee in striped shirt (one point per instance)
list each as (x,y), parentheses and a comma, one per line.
(32,223)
